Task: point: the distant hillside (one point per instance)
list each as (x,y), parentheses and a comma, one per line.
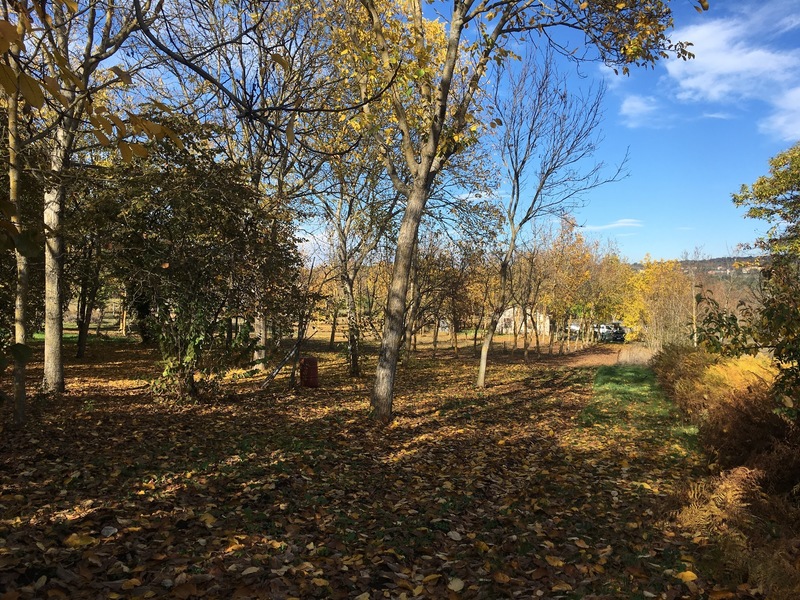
(727,265)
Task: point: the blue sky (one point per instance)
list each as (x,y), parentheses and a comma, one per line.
(697,130)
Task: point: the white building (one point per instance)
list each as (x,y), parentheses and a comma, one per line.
(513,315)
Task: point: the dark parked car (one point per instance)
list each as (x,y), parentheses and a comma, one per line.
(617,333)
(610,333)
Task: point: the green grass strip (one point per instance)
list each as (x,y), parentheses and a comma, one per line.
(628,396)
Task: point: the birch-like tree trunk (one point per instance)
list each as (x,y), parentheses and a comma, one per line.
(21,294)
(53,376)
(260,353)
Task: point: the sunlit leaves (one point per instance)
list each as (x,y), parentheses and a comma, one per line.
(773,197)
(8,36)
(8,79)
(455,584)
(123,75)
(281,61)
(30,90)
(72,5)
(79,540)
(660,302)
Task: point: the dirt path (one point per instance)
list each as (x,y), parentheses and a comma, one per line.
(597,356)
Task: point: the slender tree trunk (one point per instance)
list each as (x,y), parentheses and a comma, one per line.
(260,353)
(87,299)
(21,294)
(53,379)
(412,313)
(383,390)
(475,333)
(494,319)
(435,335)
(83,318)
(334,321)
(525,334)
(497,312)
(123,319)
(514,331)
(454,336)
(228,333)
(20,337)
(101,313)
(353,328)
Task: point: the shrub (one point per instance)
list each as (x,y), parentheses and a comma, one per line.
(739,426)
(679,370)
(748,536)
(732,402)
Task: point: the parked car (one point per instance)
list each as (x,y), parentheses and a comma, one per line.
(602,332)
(613,332)
(618,333)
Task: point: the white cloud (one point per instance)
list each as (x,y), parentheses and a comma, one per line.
(752,55)
(722,116)
(728,66)
(784,122)
(615,225)
(637,110)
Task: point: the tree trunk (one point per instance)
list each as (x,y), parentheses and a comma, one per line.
(123,320)
(412,313)
(101,313)
(525,333)
(353,328)
(514,332)
(435,335)
(303,318)
(83,318)
(383,390)
(53,379)
(87,298)
(454,336)
(228,333)
(475,331)
(487,344)
(260,353)
(334,320)
(480,319)
(21,297)
(20,337)
(497,313)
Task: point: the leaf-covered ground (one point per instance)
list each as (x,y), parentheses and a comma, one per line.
(546,484)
